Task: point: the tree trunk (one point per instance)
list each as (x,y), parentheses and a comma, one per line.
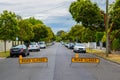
(15,43)
(12,43)
(5,46)
(109,39)
(20,42)
(109,45)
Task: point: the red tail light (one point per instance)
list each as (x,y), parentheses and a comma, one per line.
(21,50)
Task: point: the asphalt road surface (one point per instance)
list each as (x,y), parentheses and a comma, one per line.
(59,67)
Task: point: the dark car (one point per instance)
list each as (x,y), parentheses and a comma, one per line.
(71,45)
(19,50)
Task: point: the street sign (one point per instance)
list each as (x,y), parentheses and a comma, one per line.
(32,60)
(16,38)
(85,60)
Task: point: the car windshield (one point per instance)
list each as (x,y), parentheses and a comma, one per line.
(79,44)
(33,43)
(19,46)
(71,43)
(42,42)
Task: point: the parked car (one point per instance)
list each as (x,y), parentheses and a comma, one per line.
(42,44)
(66,45)
(34,46)
(19,50)
(80,48)
(53,42)
(71,45)
(62,42)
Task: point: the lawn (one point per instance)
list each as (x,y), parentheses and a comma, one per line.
(113,57)
(3,54)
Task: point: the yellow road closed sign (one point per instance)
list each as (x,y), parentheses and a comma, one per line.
(85,60)
(33,60)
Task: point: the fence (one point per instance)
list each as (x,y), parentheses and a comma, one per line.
(8,44)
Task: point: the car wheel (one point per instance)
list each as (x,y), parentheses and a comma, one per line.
(28,54)
(38,50)
(24,54)
(11,55)
(74,51)
(30,50)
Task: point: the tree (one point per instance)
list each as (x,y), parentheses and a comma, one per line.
(34,21)
(114,19)
(8,26)
(88,35)
(99,36)
(51,35)
(62,36)
(91,16)
(26,30)
(59,33)
(76,33)
(115,45)
(87,13)
(81,34)
(39,29)
(40,32)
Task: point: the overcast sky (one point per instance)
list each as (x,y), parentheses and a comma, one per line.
(54,13)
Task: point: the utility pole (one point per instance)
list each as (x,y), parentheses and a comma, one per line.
(107,40)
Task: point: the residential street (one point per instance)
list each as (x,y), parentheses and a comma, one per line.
(59,67)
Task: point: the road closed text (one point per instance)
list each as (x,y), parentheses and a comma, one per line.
(33,60)
(85,60)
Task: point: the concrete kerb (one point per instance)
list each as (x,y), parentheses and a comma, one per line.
(106,59)
(2,58)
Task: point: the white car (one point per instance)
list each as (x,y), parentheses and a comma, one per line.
(34,46)
(80,48)
(42,44)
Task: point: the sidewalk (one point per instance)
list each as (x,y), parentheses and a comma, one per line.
(104,50)
(2,58)
(114,57)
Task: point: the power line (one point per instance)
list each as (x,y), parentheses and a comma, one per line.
(62,5)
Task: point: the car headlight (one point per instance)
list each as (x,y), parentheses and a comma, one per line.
(84,49)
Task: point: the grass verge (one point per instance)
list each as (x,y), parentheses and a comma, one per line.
(112,57)
(4,55)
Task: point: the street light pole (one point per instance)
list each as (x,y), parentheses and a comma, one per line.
(107,40)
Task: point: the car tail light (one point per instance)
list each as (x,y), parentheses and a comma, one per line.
(21,50)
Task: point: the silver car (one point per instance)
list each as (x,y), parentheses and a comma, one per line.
(42,44)
(80,48)
(34,46)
